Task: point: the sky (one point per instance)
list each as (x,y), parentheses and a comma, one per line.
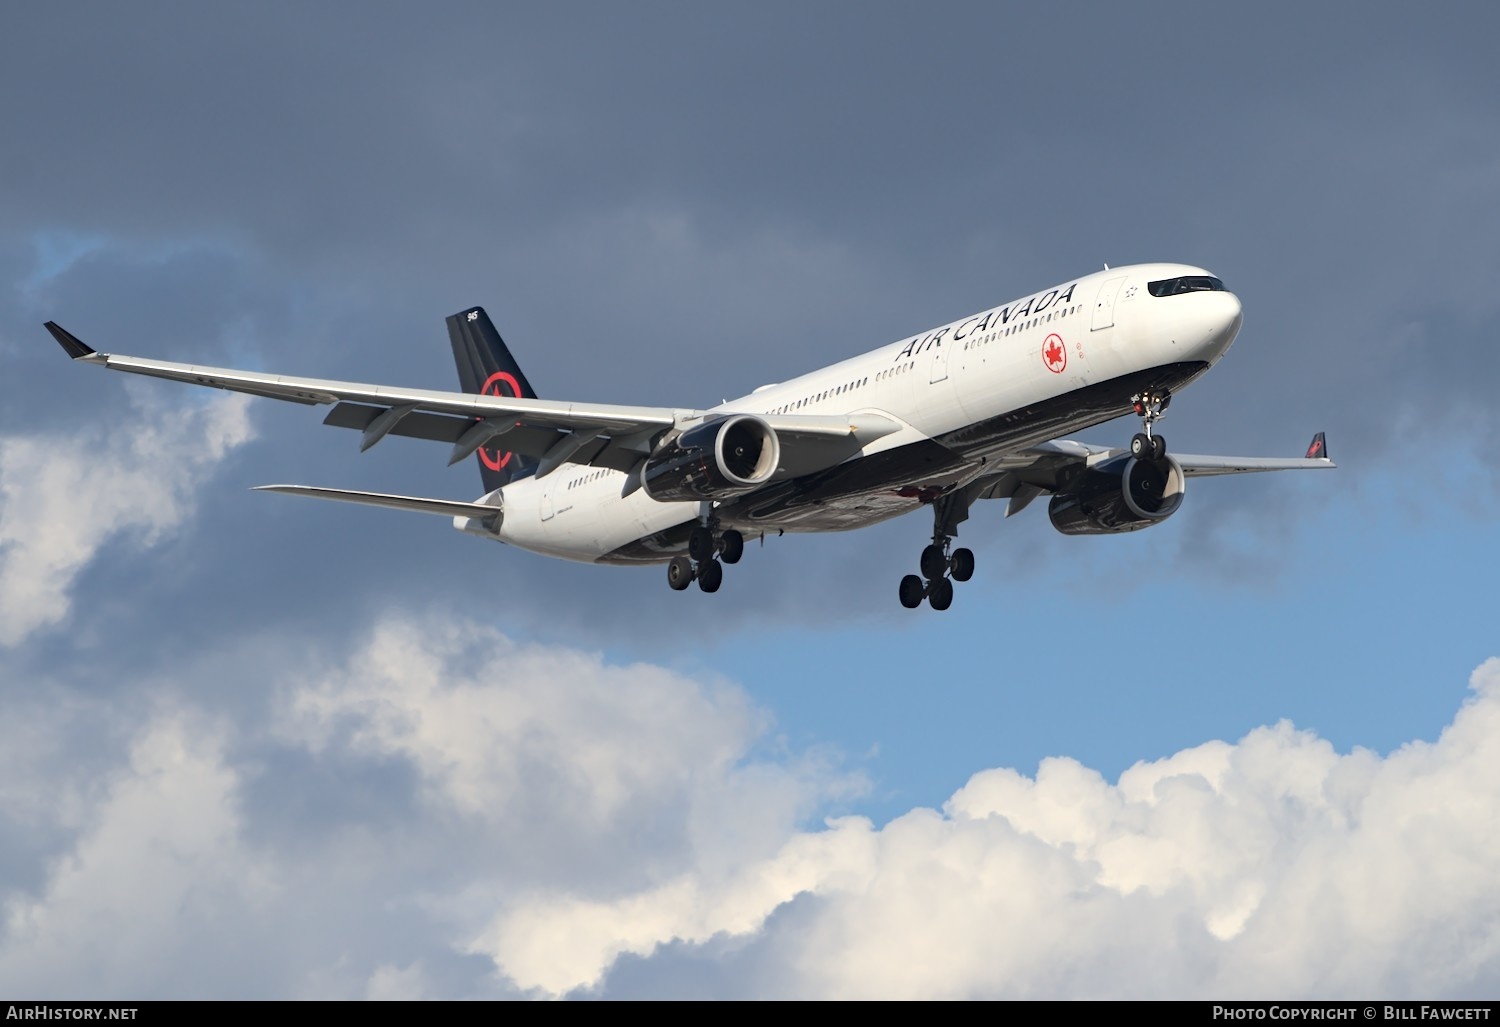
(255,747)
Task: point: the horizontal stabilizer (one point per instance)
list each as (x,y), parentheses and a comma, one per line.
(441,507)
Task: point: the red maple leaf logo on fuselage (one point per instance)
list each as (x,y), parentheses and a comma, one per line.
(1054,354)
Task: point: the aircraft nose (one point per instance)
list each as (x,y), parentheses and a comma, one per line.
(1231,317)
(1209,322)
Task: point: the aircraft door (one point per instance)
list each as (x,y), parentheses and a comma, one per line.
(547,510)
(939,367)
(1104,304)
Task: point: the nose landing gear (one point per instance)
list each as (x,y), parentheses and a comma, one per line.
(1150,407)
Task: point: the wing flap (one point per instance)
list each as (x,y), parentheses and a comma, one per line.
(416,425)
(439,427)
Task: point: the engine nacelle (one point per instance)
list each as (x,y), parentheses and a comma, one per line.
(713,461)
(1122,495)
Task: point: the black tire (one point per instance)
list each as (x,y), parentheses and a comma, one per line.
(961,564)
(941,596)
(912,591)
(1140,445)
(934,562)
(710,575)
(1158,447)
(701,544)
(680,573)
(731,546)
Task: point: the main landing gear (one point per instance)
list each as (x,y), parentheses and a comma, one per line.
(708,550)
(940,569)
(1150,407)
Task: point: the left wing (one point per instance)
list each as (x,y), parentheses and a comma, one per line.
(1050,466)
(1316,459)
(1193,465)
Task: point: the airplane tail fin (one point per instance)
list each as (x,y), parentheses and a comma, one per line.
(486,367)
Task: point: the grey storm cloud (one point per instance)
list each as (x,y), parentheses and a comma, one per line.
(792,185)
(414,163)
(668,206)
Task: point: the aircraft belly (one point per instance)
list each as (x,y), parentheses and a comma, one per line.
(852,494)
(1066,413)
(905,478)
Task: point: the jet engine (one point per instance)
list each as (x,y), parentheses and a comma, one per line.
(1125,494)
(716,460)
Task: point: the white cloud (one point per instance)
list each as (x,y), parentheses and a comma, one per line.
(147,878)
(560,814)
(1271,867)
(397,984)
(475,713)
(537,771)
(62,499)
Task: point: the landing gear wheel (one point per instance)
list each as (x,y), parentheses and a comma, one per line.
(710,575)
(731,546)
(680,573)
(701,544)
(941,596)
(961,564)
(1150,407)
(912,591)
(934,562)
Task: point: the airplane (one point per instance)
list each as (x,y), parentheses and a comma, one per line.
(972,410)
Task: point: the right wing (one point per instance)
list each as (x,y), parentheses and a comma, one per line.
(601,435)
(555,432)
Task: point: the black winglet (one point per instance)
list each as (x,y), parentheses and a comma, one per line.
(1318,450)
(68,341)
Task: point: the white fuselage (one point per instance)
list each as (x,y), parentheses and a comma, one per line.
(988,369)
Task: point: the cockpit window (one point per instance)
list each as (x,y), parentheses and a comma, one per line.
(1187,283)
